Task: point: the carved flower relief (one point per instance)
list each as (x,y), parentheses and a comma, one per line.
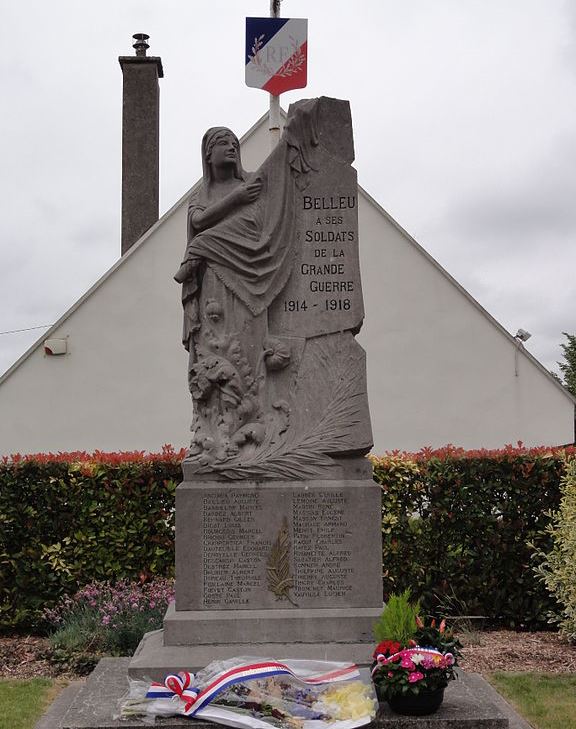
(282,415)
(276,354)
(215,372)
(249,433)
(229,420)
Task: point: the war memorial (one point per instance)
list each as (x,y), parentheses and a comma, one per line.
(278,543)
(277,519)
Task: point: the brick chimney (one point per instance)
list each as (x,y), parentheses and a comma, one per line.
(140,141)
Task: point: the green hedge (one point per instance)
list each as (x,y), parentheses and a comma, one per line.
(557,568)
(70,519)
(461,529)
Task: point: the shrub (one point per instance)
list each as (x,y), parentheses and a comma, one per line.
(398,620)
(558,568)
(110,619)
(466,524)
(69,519)
(458,526)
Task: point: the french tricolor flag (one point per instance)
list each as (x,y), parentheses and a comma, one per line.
(276,54)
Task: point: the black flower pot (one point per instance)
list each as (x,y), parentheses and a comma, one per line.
(425,702)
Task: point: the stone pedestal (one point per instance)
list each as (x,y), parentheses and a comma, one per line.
(277,568)
(278,521)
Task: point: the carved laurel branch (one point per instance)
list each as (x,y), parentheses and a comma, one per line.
(280,580)
(305,456)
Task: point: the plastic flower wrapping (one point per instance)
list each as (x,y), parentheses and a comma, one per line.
(261,693)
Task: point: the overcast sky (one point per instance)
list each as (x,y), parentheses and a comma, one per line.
(464,119)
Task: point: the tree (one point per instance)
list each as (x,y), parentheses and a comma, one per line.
(568,367)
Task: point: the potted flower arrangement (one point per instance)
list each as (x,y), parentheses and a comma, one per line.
(413,661)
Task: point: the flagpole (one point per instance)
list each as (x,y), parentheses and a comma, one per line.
(274,114)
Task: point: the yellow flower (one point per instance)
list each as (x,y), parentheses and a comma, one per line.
(352,700)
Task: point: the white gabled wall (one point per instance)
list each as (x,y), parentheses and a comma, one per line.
(123,384)
(439,370)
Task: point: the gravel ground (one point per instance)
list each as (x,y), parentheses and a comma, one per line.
(501,650)
(505,650)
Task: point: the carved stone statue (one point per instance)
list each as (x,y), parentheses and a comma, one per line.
(272,299)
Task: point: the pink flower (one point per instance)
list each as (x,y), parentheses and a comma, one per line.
(427,662)
(415,676)
(105,620)
(408,663)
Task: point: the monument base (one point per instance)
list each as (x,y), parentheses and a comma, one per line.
(273,569)
(312,625)
(154,660)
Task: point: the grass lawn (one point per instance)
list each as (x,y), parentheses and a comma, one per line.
(545,700)
(22,703)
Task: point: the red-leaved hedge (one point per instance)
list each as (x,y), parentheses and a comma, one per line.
(460,528)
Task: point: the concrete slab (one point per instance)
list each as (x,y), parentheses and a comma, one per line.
(470,703)
(52,719)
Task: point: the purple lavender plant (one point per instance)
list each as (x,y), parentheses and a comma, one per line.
(104,618)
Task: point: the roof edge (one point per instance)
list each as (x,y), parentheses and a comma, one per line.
(96,285)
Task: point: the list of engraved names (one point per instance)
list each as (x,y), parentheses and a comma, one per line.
(234,548)
(322,561)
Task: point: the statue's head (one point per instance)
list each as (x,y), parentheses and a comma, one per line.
(220,148)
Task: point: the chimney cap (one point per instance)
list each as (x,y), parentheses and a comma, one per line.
(141,46)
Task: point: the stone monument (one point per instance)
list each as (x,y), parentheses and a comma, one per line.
(278,543)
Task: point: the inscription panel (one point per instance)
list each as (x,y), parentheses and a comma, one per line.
(324,292)
(277,546)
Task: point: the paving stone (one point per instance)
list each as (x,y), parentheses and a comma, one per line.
(469,703)
(52,719)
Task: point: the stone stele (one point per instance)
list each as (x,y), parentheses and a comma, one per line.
(278,543)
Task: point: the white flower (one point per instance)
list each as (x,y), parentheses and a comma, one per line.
(417,658)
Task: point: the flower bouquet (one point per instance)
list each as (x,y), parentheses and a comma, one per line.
(414,662)
(261,693)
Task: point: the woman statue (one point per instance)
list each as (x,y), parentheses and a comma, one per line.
(228,269)
(265,405)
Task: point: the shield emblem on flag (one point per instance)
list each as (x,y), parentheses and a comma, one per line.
(276,54)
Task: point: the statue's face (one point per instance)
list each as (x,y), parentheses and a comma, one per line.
(224,151)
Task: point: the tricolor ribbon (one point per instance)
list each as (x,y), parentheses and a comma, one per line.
(175,684)
(382,660)
(195,700)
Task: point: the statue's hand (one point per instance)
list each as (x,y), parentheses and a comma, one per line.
(247,192)
(185,272)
